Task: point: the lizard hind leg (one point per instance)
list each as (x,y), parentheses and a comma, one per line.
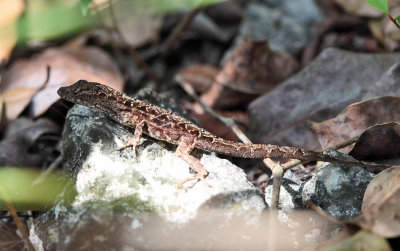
(185,146)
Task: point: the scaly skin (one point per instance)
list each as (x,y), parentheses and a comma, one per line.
(163,125)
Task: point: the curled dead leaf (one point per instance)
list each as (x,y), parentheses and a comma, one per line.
(17,100)
(355,119)
(381,207)
(255,69)
(382,184)
(378,141)
(23,81)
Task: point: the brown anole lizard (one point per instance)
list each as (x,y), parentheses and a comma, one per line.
(163,125)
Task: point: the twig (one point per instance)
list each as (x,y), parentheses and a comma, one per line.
(393,20)
(132,52)
(15,217)
(230,123)
(322,213)
(277,172)
(176,33)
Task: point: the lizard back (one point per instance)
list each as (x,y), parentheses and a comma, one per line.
(163,125)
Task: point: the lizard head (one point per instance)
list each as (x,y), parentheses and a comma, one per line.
(87,93)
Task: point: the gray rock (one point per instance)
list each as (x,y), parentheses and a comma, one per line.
(335,79)
(119,196)
(282,31)
(338,189)
(290,201)
(304,11)
(387,85)
(290,194)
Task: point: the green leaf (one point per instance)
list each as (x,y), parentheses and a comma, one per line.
(398,19)
(52,21)
(161,6)
(381,5)
(85,6)
(29,189)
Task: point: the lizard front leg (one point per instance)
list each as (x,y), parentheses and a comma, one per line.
(136,137)
(185,146)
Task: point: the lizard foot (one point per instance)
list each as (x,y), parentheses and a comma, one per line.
(198,177)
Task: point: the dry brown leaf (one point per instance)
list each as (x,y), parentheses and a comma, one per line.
(355,119)
(27,76)
(252,70)
(255,69)
(378,141)
(199,76)
(381,207)
(9,13)
(382,184)
(17,99)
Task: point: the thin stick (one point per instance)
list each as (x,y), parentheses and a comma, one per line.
(177,32)
(322,213)
(277,172)
(230,123)
(132,52)
(393,20)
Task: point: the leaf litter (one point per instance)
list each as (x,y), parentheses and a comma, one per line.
(22,82)
(376,119)
(355,119)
